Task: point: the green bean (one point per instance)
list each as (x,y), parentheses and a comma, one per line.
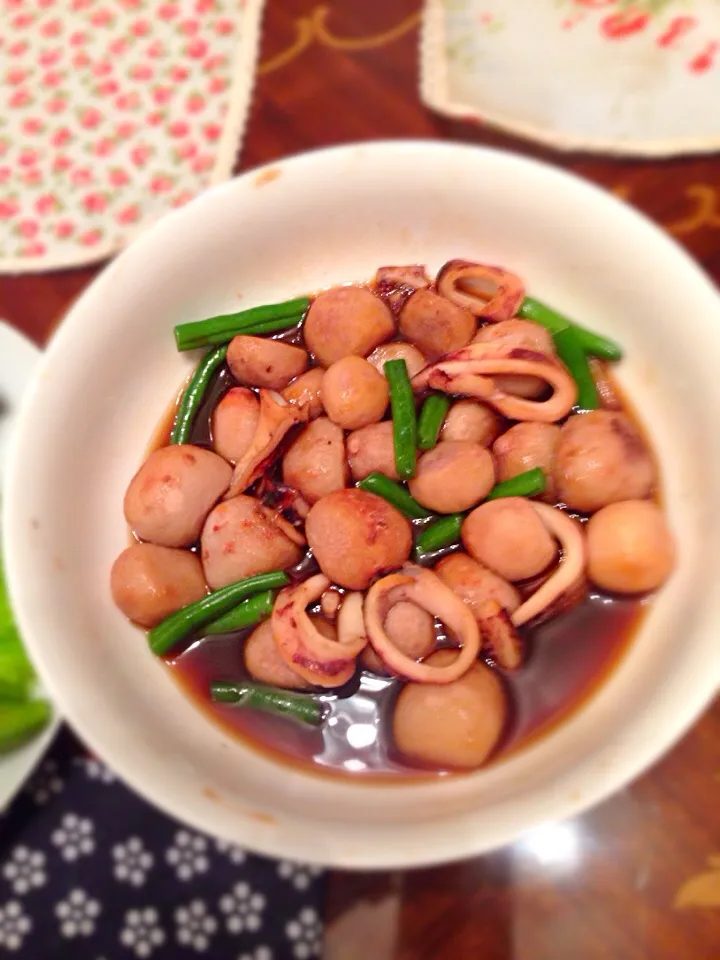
(395,494)
(20,721)
(174,628)
(246,614)
(531,309)
(571,353)
(298,706)
(446,531)
(402,404)
(257,320)
(442,533)
(432,416)
(527,484)
(592,343)
(194,394)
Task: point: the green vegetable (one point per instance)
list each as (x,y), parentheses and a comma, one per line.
(246,614)
(446,531)
(257,320)
(432,415)
(570,351)
(178,625)
(592,343)
(20,717)
(194,395)
(528,484)
(597,346)
(442,533)
(16,672)
(395,494)
(8,630)
(21,721)
(298,706)
(402,404)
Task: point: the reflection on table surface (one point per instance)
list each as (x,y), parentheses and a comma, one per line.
(638,877)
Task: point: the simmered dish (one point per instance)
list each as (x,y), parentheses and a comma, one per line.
(398,527)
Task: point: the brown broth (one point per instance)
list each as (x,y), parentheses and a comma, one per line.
(568,658)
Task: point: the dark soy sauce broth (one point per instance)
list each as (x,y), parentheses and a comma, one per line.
(568,659)
(570,656)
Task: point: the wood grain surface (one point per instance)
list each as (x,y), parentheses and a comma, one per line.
(639,876)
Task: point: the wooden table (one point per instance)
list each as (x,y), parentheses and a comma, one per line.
(638,877)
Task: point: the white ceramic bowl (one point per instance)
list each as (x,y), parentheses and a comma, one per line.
(309,222)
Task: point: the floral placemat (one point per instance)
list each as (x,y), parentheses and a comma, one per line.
(634,77)
(89,871)
(111,113)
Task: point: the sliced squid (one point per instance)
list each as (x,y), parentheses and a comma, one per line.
(315,658)
(499,635)
(351,622)
(569,571)
(488,292)
(276,418)
(470,372)
(396,284)
(426,590)
(291,532)
(330,604)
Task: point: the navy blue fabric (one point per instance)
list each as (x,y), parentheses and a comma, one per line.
(89,871)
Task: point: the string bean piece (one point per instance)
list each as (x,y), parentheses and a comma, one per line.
(194,394)
(402,404)
(180,624)
(572,354)
(395,494)
(432,416)
(527,484)
(442,533)
(446,531)
(256,320)
(298,706)
(246,614)
(592,343)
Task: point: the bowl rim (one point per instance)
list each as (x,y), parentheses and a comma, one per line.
(629,762)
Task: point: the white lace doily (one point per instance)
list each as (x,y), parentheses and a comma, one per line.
(637,78)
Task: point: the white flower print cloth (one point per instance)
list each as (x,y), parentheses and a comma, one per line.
(77,914)
(25,869)
(15,925)
(89,871)
(632,77)
(111,113)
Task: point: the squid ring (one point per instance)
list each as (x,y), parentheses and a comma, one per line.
(568,571)
(427,591)
(506,290)
(323,662)
(470,372)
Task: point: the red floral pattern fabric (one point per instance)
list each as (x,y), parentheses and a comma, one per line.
(111,113)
